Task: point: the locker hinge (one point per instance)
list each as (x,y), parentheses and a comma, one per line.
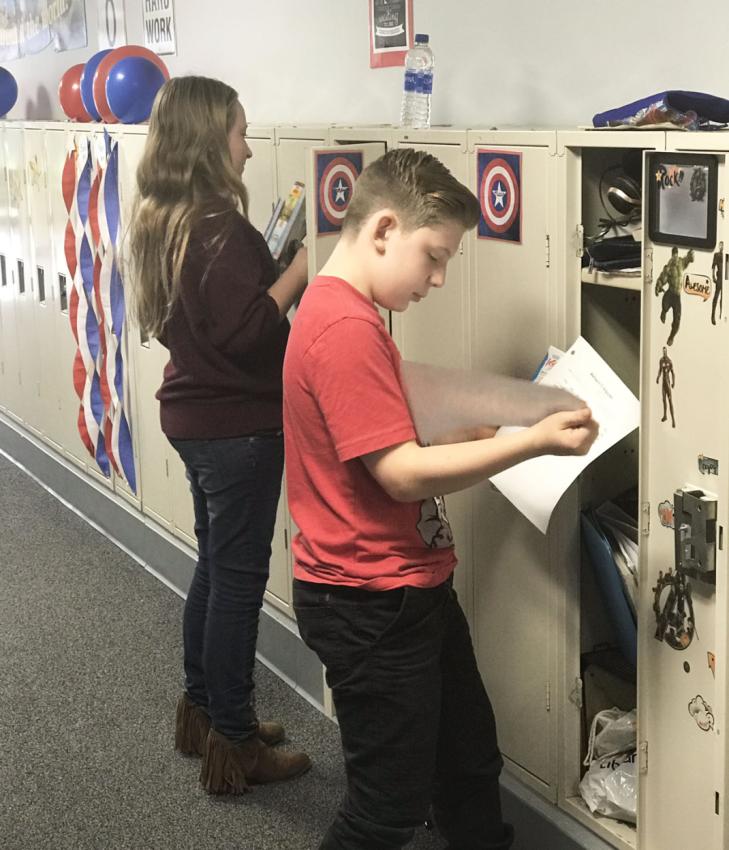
(547,696)
(286,538)
(643,757)
(576,695)
(645,519)
(579,240)
(547,247)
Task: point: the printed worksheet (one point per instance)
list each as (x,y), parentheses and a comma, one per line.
(535,486)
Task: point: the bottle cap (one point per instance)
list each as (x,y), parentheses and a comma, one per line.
(422,38)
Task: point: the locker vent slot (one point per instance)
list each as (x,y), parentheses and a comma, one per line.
(21,277)
(41,284)
(63,294)
(716,802)
(3,271)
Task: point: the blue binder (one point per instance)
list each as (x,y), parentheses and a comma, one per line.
(611,589)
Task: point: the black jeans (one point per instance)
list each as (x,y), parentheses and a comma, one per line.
(416,723)
(235,487)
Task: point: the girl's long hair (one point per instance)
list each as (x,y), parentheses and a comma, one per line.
(185,174)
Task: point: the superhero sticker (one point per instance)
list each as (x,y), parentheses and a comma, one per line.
(667,377)
(670,282)
(673,282)
(336,174)
(499,191)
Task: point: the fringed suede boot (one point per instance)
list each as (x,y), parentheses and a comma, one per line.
(230,768)
(192,724)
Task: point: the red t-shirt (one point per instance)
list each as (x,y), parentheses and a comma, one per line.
(343,399)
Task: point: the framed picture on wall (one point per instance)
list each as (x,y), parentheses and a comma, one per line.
(682,199)
(391,31)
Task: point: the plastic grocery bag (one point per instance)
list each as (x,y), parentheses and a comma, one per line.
(610,785)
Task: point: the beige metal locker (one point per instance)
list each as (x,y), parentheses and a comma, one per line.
(9,367)
(513,320)
(25,403)
(41,268)
(606,310)
(62,429)
(146,362)
(259,176)
(437,331)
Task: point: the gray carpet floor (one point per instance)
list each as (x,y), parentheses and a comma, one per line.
(90,671)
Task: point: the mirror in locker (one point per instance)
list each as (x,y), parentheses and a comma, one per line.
(25,405)
(146,362)
(683,628)
(513,321)
(42,347)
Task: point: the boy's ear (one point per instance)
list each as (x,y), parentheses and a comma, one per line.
(384,223)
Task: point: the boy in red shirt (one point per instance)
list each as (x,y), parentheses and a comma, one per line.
(373,560)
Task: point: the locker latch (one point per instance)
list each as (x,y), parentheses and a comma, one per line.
(694,513)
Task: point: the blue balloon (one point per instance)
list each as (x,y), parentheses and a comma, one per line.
(8,91)
(131,88)
(87,83)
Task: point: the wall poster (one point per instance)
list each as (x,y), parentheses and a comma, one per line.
(391,31)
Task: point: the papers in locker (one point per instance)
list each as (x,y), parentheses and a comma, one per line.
(287,223)
(535,486)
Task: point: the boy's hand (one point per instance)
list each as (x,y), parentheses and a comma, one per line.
(571,432)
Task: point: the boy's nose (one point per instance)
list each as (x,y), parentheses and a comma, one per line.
(437,279)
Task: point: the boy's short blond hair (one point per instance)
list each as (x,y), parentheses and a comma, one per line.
(417,186)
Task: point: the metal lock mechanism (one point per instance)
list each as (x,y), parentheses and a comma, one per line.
(695,533)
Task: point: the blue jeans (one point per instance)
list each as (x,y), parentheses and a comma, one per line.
(235,486)
(417,726)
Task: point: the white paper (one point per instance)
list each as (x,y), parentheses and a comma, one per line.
(535,486)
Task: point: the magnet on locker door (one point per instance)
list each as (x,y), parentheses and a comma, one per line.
(674,611)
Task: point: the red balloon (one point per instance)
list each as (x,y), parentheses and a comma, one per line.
(105,66)
(69,93)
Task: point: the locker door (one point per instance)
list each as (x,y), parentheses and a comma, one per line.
(290,152)
(62,428)
(8,344)
(147,359)
(25,401)
(515,598)
(260,176)
(685,402)
(41,269)
(437,332)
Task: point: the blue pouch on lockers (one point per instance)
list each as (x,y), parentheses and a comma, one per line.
(610,585)
(672,106)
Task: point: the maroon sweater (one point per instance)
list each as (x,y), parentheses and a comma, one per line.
(225,337)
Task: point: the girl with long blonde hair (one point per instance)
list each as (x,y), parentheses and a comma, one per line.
(206,286)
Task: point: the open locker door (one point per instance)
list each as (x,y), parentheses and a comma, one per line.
(684,462)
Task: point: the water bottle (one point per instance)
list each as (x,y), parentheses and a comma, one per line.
(418,84)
